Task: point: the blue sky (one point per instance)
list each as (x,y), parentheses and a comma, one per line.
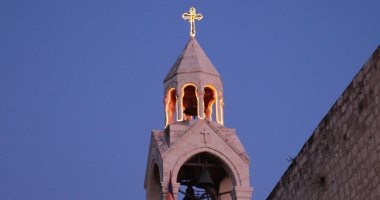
(81,84)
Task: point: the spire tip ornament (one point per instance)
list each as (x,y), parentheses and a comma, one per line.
(191,17)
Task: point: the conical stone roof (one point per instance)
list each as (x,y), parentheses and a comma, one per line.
(192,60)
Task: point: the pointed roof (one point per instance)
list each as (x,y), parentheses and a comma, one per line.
(193,59)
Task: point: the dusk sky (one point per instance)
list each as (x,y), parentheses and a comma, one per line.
(81,84)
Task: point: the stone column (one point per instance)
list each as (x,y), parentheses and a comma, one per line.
(201,104)
(164,186)
(175,189)
(221,109)
(242,193)
(165,189)
(218,108)
(179,106)
(166,110)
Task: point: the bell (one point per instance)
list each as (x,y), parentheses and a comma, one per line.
(191,111)
(204,179)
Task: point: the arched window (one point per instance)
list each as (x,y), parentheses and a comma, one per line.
(209,102)
(171,102)
(204,176)
(190,102)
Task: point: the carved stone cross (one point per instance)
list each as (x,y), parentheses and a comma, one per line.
(206,136)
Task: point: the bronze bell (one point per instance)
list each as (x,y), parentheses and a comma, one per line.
(204,179)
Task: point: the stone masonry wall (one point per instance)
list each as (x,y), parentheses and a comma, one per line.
(341,159)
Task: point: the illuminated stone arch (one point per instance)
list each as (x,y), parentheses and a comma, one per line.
(232,169)
(170,106)
(189,102)
(211,102)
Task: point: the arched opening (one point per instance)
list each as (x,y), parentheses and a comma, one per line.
(155,189)
(190,102)
(204,176)
(170,108)
(209,103)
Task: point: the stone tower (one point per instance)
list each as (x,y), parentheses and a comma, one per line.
(200,156)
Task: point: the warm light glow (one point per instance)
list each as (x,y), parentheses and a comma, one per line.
(191,17)
(211,103)
(218,104)
(218,119)
(168,98)
(183,94)
(200,111)
(210,108)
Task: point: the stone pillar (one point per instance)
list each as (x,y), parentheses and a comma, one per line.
(175,189)
(179,105)
(166,110)
(165,189)
(218,108)
(164,186)
(201,104)
(221,110)
(242,193)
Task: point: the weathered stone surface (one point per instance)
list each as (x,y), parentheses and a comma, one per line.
(171,148)
(195,142)
(341,159)
(193,69)
(192,60)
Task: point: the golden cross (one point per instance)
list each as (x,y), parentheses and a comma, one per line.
(191,17)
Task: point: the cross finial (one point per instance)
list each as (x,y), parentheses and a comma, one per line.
(191,17)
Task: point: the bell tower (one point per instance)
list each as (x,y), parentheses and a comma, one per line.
(195,156)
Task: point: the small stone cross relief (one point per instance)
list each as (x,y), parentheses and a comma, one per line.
(206,136)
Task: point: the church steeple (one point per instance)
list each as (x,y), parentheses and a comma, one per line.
(193,88)
(195,159)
